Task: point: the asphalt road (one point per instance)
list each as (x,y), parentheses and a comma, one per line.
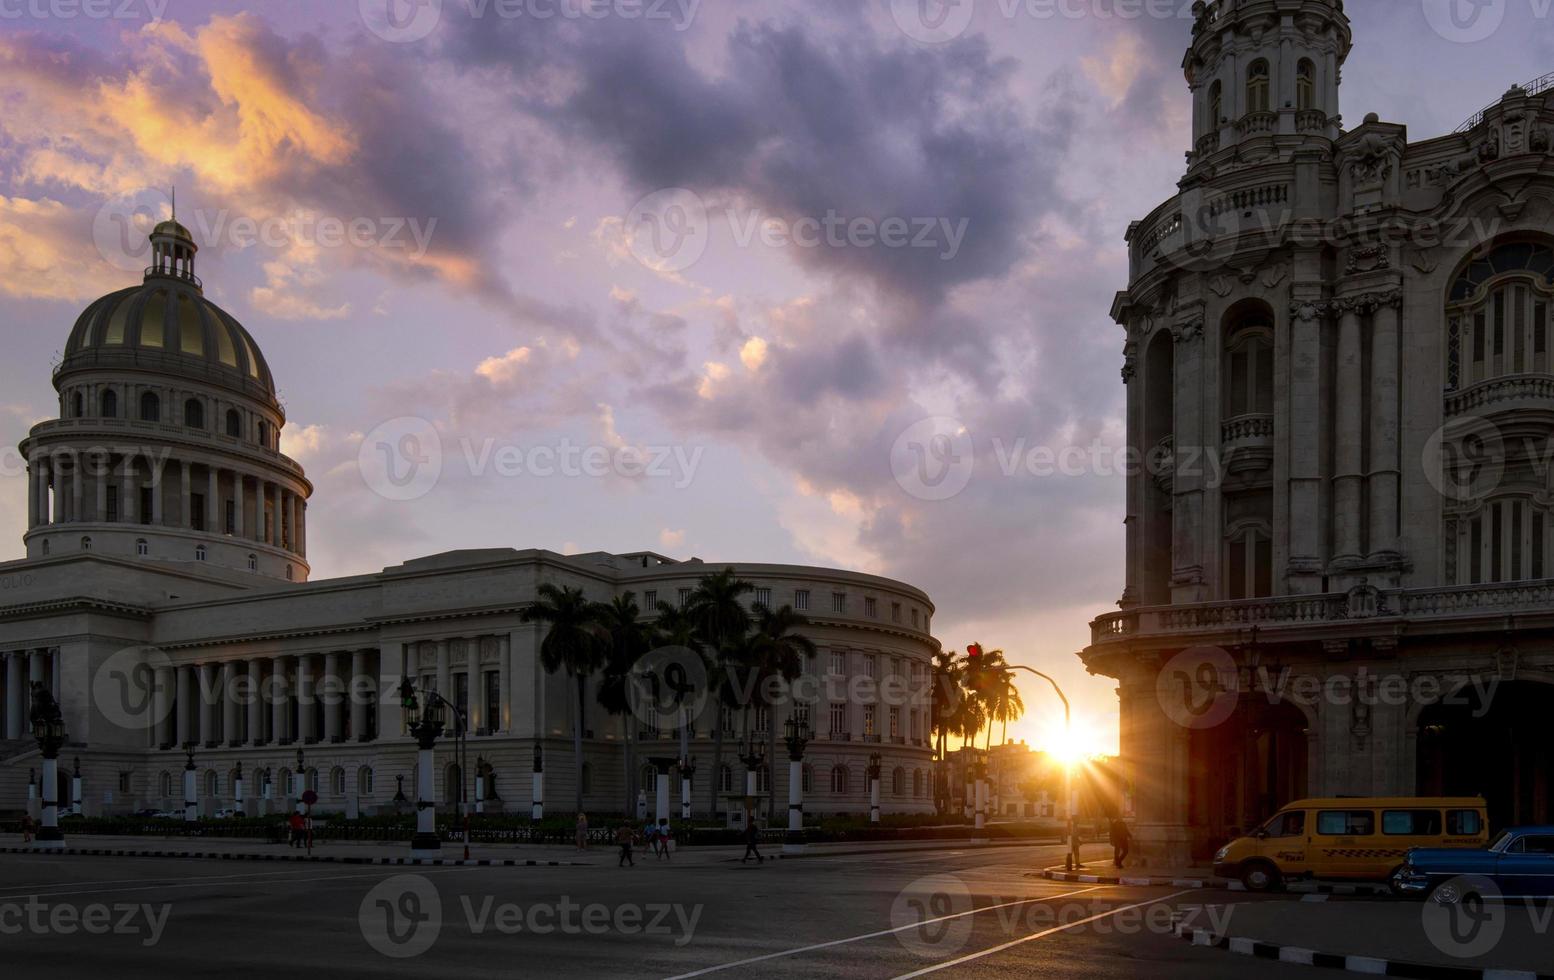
(960,914)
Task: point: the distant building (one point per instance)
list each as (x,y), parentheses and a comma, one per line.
(167,575)
(1340,371)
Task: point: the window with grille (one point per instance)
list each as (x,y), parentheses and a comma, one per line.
(1506,540)
(763,597)
(839,663)
(838,719)
(650,600)
(801,599)
(839,602)
(871,607)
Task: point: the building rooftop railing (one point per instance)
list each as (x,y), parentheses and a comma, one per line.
(1537,86)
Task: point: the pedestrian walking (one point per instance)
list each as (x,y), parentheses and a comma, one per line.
(752,844)
(582,831)
(623,837)
(307,830)
(1122,841)
(296,825)
(26,828)
(664,838)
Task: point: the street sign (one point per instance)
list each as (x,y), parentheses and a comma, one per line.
(310,797)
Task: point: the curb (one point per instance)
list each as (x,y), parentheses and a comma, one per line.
(1296,888)
(314,859)
(1375,966)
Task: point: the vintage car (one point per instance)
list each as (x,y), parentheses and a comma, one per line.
(1518,864)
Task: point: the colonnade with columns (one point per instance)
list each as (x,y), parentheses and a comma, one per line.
(23,668)
(102,486)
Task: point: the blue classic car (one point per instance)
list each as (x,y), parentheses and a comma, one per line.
(1517,864)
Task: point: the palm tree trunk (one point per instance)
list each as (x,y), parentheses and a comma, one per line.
(630,754)
(771,764)
(716,776)
(577,741)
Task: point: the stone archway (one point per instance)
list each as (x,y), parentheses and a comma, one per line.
(1243,770)
(1490,740)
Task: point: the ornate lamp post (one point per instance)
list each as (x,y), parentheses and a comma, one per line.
(299,782)
(48,727)
(425,729)
(480,784)
(875,763)
(237,791)
(687,773)
(798,740)
(191,802)
(752,757)
(75,786)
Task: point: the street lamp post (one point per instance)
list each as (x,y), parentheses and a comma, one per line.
(537,812)
(753,756)
(979,771)
(425,729)
(1071,860)
(75,786)
(191,802)
(237,791)
(875,762)
(687,772)
(797,739)
(48,727)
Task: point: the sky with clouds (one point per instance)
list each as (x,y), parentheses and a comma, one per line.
(733,279)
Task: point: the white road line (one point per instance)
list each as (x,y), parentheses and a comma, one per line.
(382,873)
(1037,935)
(874,935)
(179,878)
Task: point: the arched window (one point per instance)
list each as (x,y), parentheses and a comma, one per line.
(234,424)
(285,784)
(839,779)
(1249,369)
(898,782)
(1305,85)
(194,413)
(1499,316)
(312,780)
(1216,106)
(337,781)
(86,544)
(1257,86)
(110,404)
(142,547)
(1506,539)
(199,553)
(807,780)
(150,407)
(917,783)
(364,781)
(164,784)
(80,406)
(264,434)
(212,783)
(1249,561)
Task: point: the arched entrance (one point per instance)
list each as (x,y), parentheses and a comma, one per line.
(1493,742)
(1242,771)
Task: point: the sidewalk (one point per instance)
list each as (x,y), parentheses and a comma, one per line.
(1393,938)
(484,855)
(1101,872)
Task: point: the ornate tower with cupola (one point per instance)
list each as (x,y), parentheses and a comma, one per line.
(167,448)
(1264,75)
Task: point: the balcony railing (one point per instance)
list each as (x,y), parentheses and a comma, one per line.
(1257,123)
(1248,442)
(1311,121)
(1503,395)
(166,273)
(1316,610)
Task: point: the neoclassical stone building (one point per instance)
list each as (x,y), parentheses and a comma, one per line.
(1339,376)
(166,580)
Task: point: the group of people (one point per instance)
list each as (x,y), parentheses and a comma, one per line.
(658,837)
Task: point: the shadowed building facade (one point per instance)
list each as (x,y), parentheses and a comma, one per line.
(165,599)
(1340,388)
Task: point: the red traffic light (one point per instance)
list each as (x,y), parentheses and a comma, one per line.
(974,651)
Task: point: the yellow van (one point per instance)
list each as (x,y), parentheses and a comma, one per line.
(1349,838)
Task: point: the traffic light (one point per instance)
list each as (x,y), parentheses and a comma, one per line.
(976,673)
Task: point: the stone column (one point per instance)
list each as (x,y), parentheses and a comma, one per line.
(230,721)
(278,701)
(77,468)
(43,513)
(255,701)
(1305,415)
(356,691)
(330,687)
(129,496)
(15,695)
(1188,509)
(56,665)
(185,707)
(477,694)
(157,472)
(306,731)
(240,526)
(1349,417)
(36,666)
(213,501)
(186,497)
(207,705)
(161,706)
(504,653)
(1385,469)
(443,686)
(391,663)
(104,470)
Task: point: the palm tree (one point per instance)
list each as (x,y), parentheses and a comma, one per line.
(947,694)
(674,626)
(721,619)
(780,652)
(994,677)
(629,640)
(576,642)
(1005,704)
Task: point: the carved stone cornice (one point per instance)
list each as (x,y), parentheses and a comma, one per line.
(1309,309)
(1188,330)
(1364,303)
